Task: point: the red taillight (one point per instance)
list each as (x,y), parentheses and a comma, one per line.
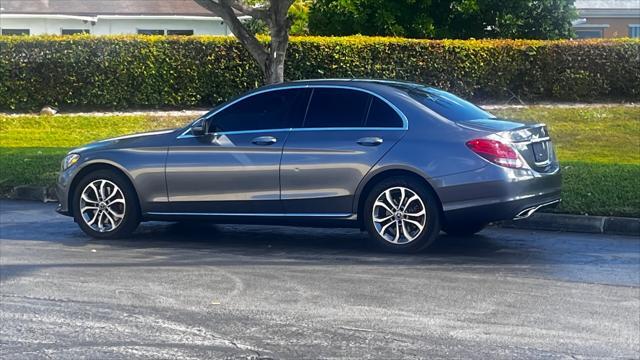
(495,151)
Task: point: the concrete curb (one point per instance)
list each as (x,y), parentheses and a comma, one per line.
(539,221)
(30,192)
(578,223)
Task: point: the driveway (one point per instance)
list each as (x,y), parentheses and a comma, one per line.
(207,291)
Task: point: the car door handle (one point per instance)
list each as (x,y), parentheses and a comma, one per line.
(264,140)
(370,141)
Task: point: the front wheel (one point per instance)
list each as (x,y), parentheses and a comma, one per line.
(402,215)
(105,205)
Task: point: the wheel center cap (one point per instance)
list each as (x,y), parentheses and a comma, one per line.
(102,205)
(399,215)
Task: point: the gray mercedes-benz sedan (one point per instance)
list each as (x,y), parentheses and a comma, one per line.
(401,160)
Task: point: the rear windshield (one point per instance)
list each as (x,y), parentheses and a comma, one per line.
(447,104)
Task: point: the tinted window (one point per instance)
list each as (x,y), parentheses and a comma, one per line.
(589,34)
(180,32)
(382,115)
(447,104)
(74,31)
(15,31)
(337,108)
(278,109)
(150,32)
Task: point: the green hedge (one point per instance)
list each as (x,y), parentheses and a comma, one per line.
(153,71)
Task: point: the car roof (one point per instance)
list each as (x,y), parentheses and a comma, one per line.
(369,84)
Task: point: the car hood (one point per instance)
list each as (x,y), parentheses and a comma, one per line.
(132,140)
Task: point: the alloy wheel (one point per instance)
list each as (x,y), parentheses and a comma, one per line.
(399,215)
(102,205)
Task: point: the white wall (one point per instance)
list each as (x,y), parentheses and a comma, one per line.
(115,26)
(42,26)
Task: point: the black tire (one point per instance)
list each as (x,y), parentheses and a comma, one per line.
(464,229)
(432,219)
(131,218)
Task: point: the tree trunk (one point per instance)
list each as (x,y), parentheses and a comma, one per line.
(271,59)
(279,26)
(274,70)
(274,64)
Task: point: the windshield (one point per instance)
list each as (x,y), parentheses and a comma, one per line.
(447,104)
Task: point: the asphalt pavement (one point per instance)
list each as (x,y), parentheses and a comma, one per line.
(198,291)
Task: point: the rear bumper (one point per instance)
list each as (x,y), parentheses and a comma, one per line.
(501,194)
(501,211)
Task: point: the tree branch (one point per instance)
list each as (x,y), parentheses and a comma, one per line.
(224,9)
(254,12)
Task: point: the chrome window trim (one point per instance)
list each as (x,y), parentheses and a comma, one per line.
(333,215)
(186,135)
(348,129)
(405,121)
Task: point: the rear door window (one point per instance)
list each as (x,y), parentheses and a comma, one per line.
(337,108)
(382,115)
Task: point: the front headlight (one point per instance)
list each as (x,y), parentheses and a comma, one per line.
(69,161)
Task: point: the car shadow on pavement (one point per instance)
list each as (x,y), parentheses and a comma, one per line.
(278,242)
(294,238)
(246,239)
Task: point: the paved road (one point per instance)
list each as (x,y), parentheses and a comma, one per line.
(179,291)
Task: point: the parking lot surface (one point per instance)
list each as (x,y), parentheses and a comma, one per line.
(249,292)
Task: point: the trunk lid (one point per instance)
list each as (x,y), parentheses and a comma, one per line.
(532,141)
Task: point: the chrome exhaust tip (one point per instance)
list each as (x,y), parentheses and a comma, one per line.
(526,213)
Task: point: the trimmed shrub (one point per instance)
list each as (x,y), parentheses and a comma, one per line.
(578,84)
(117,72)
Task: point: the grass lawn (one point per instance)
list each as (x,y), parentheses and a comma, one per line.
(599,149)
(32,147)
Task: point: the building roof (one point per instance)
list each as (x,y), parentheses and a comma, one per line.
(607,4)
(104,7)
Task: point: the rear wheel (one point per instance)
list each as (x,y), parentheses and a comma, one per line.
(401,215)
(464,229)
(105,205)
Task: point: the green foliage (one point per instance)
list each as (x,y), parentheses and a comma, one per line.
(460,19)
(580,84)
(406,18)
(515,19)
(117,72)
(257,27)
(298,14)
(600,189)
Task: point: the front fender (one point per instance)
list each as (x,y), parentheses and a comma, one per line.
(144,167)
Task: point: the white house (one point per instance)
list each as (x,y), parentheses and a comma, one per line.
(104,17)
(607,18)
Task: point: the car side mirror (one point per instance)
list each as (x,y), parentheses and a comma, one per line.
(198,129)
